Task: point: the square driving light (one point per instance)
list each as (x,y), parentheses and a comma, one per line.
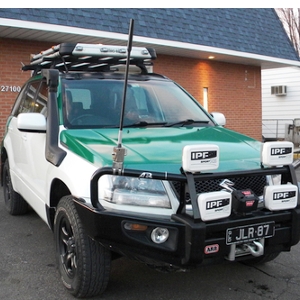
(277,153)
(202,157)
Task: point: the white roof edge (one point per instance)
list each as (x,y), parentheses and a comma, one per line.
(215,50)
(124,37)
(60,28)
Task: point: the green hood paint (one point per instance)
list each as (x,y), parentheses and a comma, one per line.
(160,149)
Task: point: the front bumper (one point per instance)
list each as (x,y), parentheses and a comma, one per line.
(191,241)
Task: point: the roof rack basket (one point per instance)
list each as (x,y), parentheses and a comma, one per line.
(90,57)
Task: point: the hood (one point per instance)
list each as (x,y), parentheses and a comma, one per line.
(160,149)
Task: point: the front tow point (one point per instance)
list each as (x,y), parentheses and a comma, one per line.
(257,249)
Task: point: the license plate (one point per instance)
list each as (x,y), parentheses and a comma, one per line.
(249,233)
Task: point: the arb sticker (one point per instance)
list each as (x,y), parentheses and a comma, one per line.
(209,249)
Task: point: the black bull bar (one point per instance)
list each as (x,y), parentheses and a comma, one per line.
(287,172)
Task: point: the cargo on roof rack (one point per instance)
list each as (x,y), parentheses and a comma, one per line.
(89,57)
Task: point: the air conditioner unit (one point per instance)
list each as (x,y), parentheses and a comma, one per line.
(279,90)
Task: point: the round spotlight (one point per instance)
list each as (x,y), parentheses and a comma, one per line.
(159,235)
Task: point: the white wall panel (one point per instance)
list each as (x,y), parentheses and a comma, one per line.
(277,111)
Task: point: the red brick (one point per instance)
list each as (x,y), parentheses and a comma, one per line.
(233,89)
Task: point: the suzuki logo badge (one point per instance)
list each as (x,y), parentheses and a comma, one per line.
(227,185)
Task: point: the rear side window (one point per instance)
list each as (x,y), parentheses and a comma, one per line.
(33,98)
(40,104)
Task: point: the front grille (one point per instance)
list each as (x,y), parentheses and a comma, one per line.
(255,183)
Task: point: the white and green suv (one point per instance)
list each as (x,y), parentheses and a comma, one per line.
(150,175)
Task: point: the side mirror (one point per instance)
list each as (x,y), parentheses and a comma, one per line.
(219,118)
(32,122)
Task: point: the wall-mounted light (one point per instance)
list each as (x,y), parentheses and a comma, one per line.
(211,57)
(205,98)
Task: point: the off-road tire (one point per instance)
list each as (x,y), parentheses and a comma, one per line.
(84,264)
(14,203)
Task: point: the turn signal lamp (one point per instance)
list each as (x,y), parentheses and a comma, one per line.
(135,226)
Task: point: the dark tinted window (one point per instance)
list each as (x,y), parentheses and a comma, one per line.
(33,98)
(40,104)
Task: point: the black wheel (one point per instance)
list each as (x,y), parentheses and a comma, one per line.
(84,264)
(14,203)
(261,259)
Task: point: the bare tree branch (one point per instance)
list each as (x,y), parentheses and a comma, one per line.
(290,18)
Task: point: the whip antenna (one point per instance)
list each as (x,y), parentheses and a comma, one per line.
(119,152)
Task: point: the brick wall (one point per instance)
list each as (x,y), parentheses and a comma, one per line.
(233,89)
(13,53)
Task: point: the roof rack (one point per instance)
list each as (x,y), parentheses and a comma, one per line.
(89,57)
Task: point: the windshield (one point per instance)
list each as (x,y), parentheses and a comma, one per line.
(97,103)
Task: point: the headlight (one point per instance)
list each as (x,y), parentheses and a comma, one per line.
(133,191)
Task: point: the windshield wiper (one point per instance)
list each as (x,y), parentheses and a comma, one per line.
(186,122)
(144,124)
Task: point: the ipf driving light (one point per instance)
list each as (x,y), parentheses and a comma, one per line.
(277,153)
